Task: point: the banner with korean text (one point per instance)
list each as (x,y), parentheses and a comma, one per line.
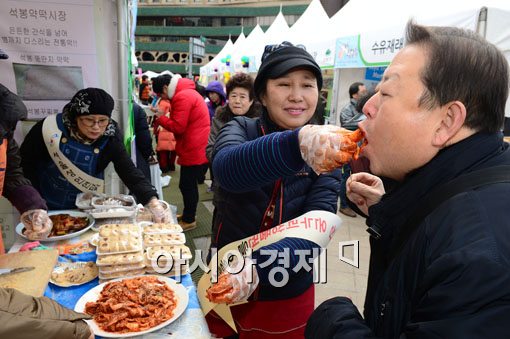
(316,226)
(376,48)
(52,51)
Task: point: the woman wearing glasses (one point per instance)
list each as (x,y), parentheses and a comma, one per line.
(67,153)
(262,181)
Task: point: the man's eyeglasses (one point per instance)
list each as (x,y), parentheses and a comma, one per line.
(89,122)
(270,49)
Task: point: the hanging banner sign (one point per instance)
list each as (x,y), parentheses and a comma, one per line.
(370,49)
(52,51)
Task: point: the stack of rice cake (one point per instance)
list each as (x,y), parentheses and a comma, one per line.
(120,251)
(162,240)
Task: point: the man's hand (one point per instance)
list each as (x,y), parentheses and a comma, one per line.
(325,148)
(364,190)
(37,223)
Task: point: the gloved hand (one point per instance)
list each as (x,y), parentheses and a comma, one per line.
(232,288)
(37,223)
(325,148)
(159,213)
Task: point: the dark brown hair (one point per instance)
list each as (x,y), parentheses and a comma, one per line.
(242,80)
(463,66)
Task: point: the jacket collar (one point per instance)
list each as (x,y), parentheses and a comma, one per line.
(390,214)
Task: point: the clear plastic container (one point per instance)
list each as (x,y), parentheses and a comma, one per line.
(121,268)
(119,244)
(115,201)
(120,259)
(150,240)
(109,230)
(178,252)
(162,228)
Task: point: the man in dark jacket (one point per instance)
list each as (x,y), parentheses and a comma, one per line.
(143,140)
(437,116)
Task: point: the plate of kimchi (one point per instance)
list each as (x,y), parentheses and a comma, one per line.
(133,306)
(66,224)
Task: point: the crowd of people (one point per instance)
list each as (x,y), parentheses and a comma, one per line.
(433,183)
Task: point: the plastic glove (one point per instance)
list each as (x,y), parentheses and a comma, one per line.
(37,223)
(158,211)
(232,288)
(325,148)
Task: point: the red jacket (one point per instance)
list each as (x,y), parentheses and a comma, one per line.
(189,122)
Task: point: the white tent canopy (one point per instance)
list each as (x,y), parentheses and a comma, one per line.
(244,49)
(355,26)
(276,33)
(308,30)
(205,70)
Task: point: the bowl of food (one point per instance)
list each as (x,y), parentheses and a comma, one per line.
(74,273)
(66,224)
(151,302)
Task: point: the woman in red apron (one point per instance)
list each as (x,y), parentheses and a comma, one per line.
(263,182)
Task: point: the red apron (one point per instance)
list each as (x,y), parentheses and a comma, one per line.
(267,319)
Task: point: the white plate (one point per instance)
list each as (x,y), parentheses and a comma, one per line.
(181,294)
(62,266)
(20,226)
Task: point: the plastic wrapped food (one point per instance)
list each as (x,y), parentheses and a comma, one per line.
(109,230)
(120,259)
(325,148)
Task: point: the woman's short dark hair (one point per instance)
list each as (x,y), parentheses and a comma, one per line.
(463,66)
(159,82)
(242,80)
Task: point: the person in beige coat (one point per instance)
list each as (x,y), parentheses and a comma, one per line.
(23,316)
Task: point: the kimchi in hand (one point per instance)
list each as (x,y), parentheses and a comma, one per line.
(325,148)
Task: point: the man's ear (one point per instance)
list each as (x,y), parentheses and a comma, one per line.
(453,118)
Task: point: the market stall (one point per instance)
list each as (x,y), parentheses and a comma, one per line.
(109,239)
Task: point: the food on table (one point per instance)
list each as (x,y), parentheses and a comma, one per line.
(113,201)
(74,274)
(178,268)
(178,252)
(120,259)
(162,228)
(121,274)
(78,248)
(143,214)
(133,305)
(64,224)
(114,244)
(121,268)
(164,239)
(119,230)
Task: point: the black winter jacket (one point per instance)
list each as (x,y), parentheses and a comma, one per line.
(452,277)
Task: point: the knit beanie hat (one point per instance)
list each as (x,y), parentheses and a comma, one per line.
(90,101)
(278,60)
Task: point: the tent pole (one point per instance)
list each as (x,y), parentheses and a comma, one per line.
(334,119)
(481,27)
(122,47)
